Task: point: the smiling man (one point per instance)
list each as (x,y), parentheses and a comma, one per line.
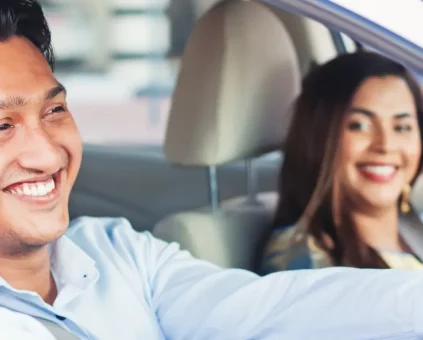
(103,280)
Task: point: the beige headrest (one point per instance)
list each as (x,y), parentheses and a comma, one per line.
(238,79)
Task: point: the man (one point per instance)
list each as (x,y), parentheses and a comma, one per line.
(102,280)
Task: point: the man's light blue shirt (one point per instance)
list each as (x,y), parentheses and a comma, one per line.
(115,283)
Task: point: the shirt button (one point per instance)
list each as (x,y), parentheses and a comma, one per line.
(61,318)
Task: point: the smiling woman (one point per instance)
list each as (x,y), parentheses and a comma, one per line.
(353,151)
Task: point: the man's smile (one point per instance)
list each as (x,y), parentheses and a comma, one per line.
(37,190)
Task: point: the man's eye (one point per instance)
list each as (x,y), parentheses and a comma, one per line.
(56,109)
(4,127)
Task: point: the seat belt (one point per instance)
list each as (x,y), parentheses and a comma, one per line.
(58,332)
(411,230)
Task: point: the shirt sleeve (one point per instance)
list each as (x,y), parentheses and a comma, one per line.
(197,300)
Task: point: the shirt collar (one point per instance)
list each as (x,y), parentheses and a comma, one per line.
(72,268)
(70,265)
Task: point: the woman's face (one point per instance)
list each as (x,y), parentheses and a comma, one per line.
(380,143)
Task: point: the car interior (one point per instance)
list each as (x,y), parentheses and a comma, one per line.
(212,185)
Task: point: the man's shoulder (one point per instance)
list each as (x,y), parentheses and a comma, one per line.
(99,230)
(108,239)
(102,224)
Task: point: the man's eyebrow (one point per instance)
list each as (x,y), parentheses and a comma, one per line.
(55,91)
(14,102)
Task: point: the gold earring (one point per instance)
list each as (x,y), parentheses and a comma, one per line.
(405,205)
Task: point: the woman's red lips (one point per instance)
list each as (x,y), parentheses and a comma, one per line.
(382,173)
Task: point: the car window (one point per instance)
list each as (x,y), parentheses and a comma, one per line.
(403,18)
(119,60)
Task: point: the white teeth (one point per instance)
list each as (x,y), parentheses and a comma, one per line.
(27,190)
(42,190)
(34,189)
(50,186)
(383,170)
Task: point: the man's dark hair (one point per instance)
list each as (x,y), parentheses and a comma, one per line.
(25,18)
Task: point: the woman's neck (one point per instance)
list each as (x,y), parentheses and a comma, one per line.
(379,230)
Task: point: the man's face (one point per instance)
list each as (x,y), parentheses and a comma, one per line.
(40,150)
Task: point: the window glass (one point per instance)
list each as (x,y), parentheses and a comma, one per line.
(402,17)
(349,44)
(119,60)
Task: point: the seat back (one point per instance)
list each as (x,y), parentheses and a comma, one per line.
(228,237)
(238,79)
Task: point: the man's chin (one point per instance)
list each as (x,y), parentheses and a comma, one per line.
(35,243)
(21,244)
(43,230)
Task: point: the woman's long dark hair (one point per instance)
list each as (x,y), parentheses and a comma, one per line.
(307,175)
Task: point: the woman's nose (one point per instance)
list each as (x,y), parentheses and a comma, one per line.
(384,142)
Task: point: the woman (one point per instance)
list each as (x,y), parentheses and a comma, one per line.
(352,155)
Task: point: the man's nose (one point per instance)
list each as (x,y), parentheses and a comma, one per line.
(40,152)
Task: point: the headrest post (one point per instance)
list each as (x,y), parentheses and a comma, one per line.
(213,188)
(251,182)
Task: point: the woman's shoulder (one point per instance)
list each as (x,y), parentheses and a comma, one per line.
(283,252)
(280,239)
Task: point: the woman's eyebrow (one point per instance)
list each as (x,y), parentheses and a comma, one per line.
(402,115)
(361,111)
(369,113)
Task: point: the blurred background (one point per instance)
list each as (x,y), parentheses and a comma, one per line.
(119,60)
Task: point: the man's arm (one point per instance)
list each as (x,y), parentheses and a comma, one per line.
(196,300)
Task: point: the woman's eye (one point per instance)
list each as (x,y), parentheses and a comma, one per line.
(358,126)
(403,128)
(4,127)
